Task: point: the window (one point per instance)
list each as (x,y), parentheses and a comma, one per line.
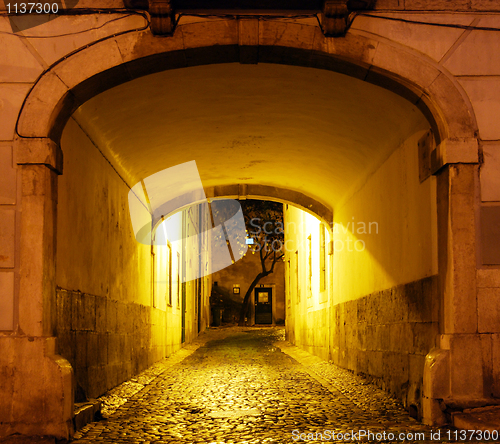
(153,277)
(309,266)
(297,282)
(178,280)
(169,274)
(322,257)
(289,289)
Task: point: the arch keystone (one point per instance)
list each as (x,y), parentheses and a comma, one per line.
(85,64)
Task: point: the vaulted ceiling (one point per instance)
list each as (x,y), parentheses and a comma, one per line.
(304,129)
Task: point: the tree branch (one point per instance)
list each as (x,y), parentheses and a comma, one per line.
(268,253)
(262,259)
(274,262)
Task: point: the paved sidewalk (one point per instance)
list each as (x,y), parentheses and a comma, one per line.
(244,387)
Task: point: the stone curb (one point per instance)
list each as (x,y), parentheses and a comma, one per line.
(483,418)
(21,439)
(86,412)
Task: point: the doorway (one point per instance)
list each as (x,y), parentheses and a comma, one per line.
(264,305)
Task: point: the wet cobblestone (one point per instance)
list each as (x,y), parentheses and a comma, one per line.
(244,389)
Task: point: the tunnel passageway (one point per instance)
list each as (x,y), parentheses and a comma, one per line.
(340,154)
(245,389)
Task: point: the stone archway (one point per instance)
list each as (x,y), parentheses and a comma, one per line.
(73,80)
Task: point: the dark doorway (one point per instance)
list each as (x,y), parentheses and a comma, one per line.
(264,305)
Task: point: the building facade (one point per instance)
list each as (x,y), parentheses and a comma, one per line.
(386,115)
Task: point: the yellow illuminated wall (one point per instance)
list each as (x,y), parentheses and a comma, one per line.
(385,232)
(307,296)
(176,265)
(114,318)
(196,256)
(167,281)
(384,236)
(97,253)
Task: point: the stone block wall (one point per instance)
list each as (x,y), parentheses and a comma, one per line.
(107,341)
(488,300)
(387,335)
(312,335)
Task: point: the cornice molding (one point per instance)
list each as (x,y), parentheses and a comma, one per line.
(336,15)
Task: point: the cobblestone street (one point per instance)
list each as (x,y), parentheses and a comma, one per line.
(242,388)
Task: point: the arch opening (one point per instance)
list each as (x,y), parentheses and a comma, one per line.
(338,147)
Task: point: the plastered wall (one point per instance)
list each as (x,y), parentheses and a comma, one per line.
(96,248)
(383,315)
(114,317)
(385,232)
(307,300)
(385,297)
